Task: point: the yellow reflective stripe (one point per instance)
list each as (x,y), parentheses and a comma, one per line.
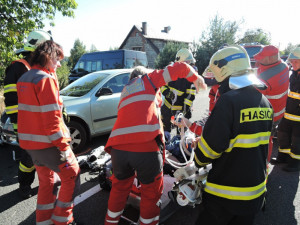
(177,92)
(10,88)
(11,109)
(191,91)
(236,193)
(292,117)
(15,126)
(206,150)
(249,140)
(284,150)
(188,102)
(294,156)
(199,162)
(172,107)
(294,95)
(163,88)
(26,169)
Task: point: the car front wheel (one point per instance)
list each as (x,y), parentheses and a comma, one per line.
(78,135)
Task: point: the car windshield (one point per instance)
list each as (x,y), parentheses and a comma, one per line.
(83,85)
(252,51)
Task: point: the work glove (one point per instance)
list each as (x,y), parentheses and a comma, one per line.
(65,115)
(65,154)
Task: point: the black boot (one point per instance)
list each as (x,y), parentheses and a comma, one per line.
(281,158)
(292,166)
(25,191)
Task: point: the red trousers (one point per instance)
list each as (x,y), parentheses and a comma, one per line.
(50,209)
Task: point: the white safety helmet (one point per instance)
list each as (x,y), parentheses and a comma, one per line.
(295,54)
(208,73)
(34,38)
(185,55)
(234,61)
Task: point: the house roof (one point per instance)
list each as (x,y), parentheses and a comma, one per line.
(152,34)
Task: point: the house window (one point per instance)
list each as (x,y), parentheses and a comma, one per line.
(137,48)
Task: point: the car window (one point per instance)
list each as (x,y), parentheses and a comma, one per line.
(118,82)
(83,85)
(253,50)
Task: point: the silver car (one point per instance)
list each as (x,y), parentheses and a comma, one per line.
(91,103)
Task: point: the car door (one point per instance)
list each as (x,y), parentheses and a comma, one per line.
(104,109)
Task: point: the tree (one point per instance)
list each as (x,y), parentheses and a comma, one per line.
(256,35)
(63,73)
(18,18)
(93,48)
(168,54)
(76,52)
(219,32)
(290,47)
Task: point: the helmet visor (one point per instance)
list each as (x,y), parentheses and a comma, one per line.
(236,82)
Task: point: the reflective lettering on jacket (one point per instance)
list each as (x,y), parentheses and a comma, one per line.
(256,114)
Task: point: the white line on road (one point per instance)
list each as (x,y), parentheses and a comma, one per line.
(80,198)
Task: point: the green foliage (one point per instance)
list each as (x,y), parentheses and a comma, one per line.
(93,48)
(63,74)
(168,54)
(76,52)
(219,32)
(256,35)
(18,18)
(290,47)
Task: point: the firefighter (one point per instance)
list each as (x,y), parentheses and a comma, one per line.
(13,72)
(213,95)
(136,142)
(45,137)
(275,74)
(288,134)
(235,140)
(179,95)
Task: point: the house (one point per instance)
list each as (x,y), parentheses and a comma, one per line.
(149,41)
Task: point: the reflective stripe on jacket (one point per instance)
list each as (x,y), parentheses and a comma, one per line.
(292,111)
(40,122)
(139,108)
(235,140)
(13,73)
(276,77)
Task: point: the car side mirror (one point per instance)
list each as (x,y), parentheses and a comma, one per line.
(104,91)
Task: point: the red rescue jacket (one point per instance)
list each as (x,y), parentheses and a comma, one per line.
(276,77)
(40,120)
(138,118)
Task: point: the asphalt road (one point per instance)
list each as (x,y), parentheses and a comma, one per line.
(283,199)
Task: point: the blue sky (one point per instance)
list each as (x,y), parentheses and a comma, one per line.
(106,23)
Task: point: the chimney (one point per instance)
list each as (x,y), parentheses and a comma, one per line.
(144,28)
(166,29)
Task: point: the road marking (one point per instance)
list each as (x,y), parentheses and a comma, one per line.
(82,197)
